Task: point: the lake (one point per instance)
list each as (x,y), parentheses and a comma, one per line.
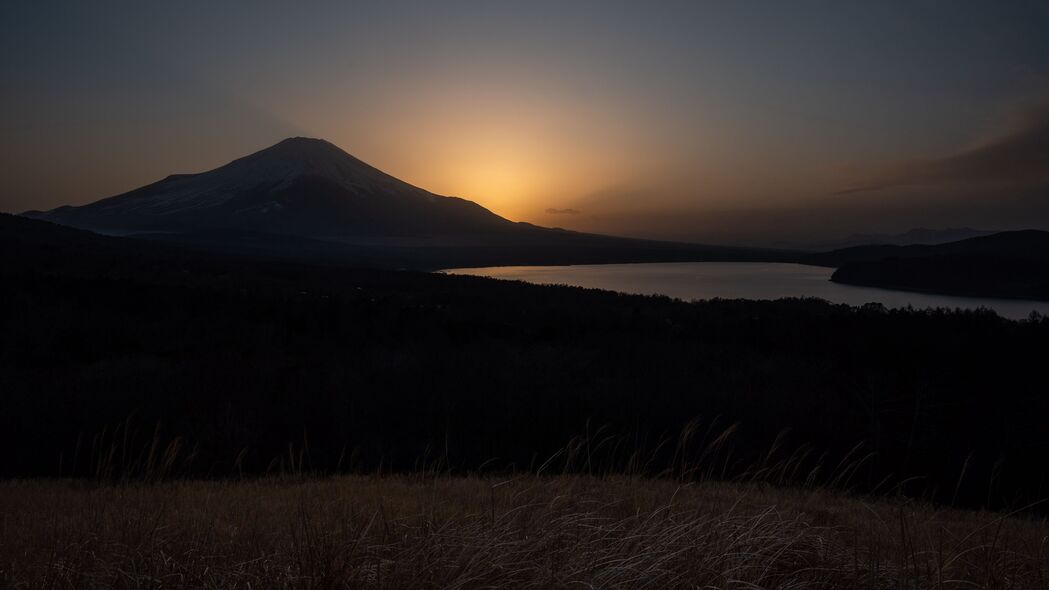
(740,280)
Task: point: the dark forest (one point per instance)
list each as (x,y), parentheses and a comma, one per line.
(115,353)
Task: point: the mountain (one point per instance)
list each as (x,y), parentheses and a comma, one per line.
(1012,244)
(1007,264)
(921,235)
(927,236)
(306,199)
(300,186)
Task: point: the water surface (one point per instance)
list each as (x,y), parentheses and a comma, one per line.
(740,280)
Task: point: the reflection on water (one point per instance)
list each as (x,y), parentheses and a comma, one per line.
(740,280)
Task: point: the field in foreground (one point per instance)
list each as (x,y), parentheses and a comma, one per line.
(554,532)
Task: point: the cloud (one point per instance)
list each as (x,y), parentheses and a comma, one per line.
(553,211)
(1015,159)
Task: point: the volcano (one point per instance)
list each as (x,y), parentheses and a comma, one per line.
(300,186)
(308,200)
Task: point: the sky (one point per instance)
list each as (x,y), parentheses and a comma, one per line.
(735,122)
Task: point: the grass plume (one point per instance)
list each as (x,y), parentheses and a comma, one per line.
(563,531)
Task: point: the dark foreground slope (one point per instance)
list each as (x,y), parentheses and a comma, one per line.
(1006,264)
(118,356)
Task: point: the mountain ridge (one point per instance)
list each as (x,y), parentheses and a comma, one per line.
(1028,243)
(915,236)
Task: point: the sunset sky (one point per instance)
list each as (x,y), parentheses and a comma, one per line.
(719,121)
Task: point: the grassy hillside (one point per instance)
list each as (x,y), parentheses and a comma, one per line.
(428,531)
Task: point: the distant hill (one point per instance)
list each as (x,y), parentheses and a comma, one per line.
(306,199)
(1006,264)
(1022,244)
(919,235)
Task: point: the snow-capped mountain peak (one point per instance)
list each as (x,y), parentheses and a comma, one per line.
(300,186)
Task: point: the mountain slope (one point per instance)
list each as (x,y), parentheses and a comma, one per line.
(300,186)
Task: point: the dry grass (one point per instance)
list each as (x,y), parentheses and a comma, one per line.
(546,532)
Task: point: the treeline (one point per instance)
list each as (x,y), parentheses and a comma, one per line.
(115,357)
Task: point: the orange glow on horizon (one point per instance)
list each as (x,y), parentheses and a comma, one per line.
(515,146)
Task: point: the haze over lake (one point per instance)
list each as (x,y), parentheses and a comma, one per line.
(740,280)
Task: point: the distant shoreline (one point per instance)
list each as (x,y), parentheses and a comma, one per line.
(615,278)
